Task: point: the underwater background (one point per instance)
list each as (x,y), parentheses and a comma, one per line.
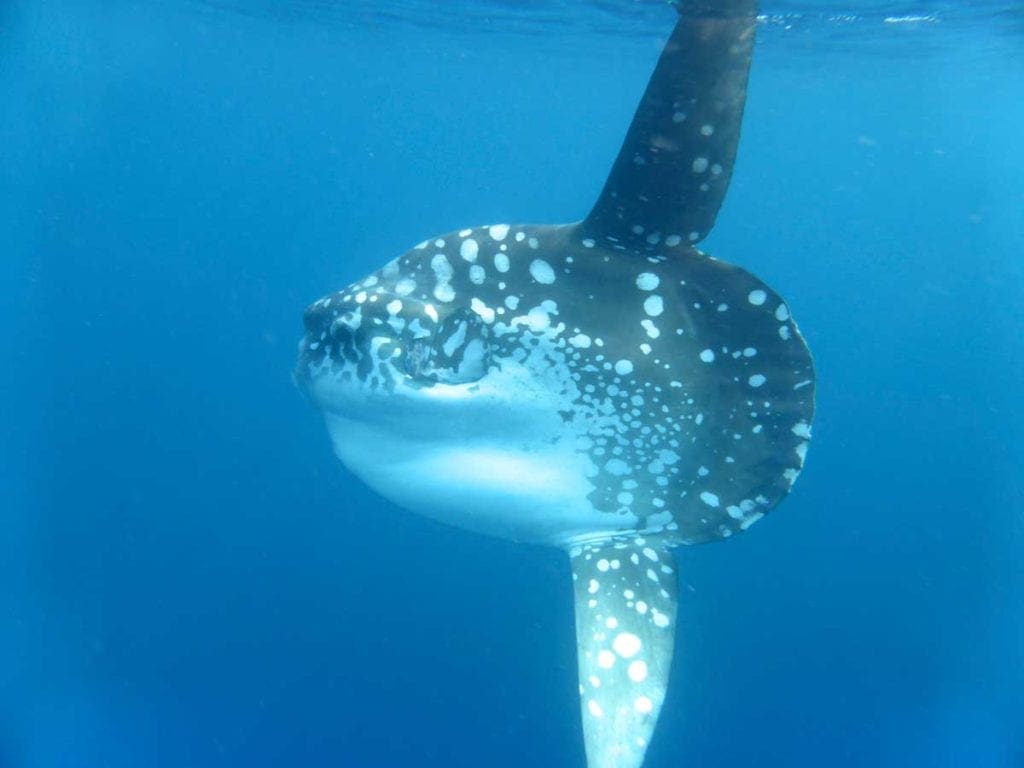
(189,578)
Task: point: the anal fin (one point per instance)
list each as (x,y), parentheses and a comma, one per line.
(625,628)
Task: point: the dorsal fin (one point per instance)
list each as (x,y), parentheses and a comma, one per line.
(673,170)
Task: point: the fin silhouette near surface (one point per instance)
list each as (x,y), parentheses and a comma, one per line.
(673,170)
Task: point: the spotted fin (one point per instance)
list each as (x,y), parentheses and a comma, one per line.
(625,627)
(674,167)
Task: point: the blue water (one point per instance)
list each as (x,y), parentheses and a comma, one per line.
(190,579)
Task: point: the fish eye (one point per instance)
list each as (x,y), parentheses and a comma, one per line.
(457,353)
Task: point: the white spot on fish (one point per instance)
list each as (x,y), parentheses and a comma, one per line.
(456,340)
(538,320)
(638,671)
(751,520)
(623,367)
(486,313)
(542,271)
(444,292)
(616,467)
(626,644)
(709,498)
(654,305)
(707,356)
(442,267)
(498,231)
(757,297)
(469,249)
(647,281)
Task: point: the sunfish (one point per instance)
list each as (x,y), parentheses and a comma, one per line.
(603,387)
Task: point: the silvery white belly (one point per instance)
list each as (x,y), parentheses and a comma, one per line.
(537,495)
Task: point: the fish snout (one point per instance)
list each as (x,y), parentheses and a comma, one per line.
(330,322)
(317,319)
(349,331)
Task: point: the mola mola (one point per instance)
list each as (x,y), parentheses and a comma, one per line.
(603,386)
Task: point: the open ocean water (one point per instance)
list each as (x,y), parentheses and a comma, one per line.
(188,577)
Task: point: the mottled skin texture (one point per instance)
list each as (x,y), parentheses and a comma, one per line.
(680,382)
(708,412)
(603,387)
